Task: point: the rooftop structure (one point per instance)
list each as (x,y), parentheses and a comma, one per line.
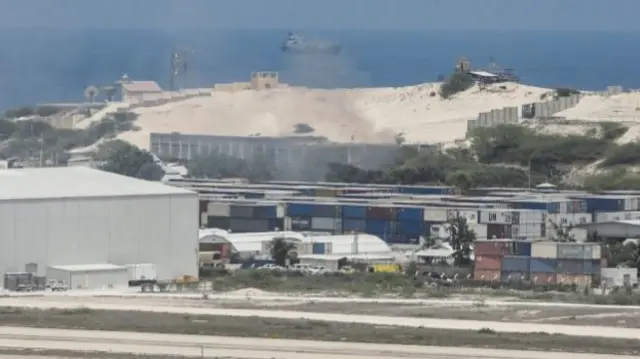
(75,182)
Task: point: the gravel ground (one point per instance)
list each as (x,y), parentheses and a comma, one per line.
(61,354)
(305,329)
(572,316)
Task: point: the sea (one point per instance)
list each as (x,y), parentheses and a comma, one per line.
(50,66)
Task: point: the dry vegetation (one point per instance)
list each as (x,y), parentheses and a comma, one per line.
(305,329)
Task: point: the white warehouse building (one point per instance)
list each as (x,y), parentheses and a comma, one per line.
(81,216)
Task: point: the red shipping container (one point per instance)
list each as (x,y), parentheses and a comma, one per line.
(485,262)
(543,278)
(580,280)
(378,212)
(492,248)
(486,275)
(224,250)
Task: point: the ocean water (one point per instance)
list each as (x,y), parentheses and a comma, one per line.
(44,65)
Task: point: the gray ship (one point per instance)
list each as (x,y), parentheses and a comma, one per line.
(296,44)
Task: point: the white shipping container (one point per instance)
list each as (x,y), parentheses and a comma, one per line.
(219,209)
(280,210)
(630,204)
(435,214)
(601,217)
(479,229)
(303,248)
(619,277)
(526,231)
(528,217)
(203,220)
(544,250)
(287,224)
(142,271)
(566,219)
(563,207)
(328,248)
(497,216)
(327,224)
(470,215)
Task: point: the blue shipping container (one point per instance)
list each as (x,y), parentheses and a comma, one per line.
(593,266)
(543,265)
(353,211)
(318,248)
(521,248)
(605,204)
(411,227)
(300,210)
(353,225)
(381,228)
(410,214)
(573,266)
(516,264)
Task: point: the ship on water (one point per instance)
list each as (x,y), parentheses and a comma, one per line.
(297,44)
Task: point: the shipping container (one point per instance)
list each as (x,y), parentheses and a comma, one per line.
(434,214)
(543,265)
(520,248)
(572,266)
(328,224)
(480,230)
(491,248)
(544,250)
(411,214)
(326,210)
(276,224)
(218,222)
(379,212)
(304,248)
(528,217)
(265,212)
(605,204)
(486,275)
(570,219)
(528,231)
(470,215)
(578,251)
(543,278)
(411,227)
(498,231)
(511,276)
(381,228)
(600,217)
(219,209)
(581,280)
(300,210)
(488,262)
(241,211)
(318,248)
(354,212)
(245,225)
(300,224)
(494,216)
(353,225)
(516,264)
(141,272)
(593,266)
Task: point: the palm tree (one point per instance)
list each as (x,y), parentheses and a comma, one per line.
(280,251)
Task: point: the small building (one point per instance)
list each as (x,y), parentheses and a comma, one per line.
(264,80)
(483,77)
(90,276)
(137,90)
(330,261)
(619,277)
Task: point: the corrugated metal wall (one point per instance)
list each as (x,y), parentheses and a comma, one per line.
(162,230)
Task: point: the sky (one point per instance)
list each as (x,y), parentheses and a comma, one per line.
(324,14)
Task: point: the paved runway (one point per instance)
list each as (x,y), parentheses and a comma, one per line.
(505,327)
(246,348)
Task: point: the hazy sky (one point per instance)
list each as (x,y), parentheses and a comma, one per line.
(324,14)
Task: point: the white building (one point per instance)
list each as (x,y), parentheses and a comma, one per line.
(80,216)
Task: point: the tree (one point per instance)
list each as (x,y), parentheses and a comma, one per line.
(457,82)
(126,159)
(461,239)
(280,251)
(218,165)
(562,234)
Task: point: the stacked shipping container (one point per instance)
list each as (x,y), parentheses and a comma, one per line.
(540,262)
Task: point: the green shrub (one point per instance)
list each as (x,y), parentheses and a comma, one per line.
(458,82)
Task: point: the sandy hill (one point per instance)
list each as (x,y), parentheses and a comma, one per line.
(366,114)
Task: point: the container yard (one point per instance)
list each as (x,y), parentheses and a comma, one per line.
(516,230)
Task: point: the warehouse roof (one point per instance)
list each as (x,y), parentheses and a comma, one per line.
(75,182)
